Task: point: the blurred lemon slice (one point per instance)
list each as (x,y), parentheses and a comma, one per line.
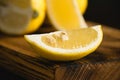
(65,15)
(66,45)
(21,16)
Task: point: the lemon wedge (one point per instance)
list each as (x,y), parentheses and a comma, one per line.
(66,45)
(65,15)
(21,16)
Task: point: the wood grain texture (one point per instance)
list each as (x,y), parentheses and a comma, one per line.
(17,56)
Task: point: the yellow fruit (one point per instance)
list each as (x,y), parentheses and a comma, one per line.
(82,5)
(39,7)
(66,45)
(21,16)
(65,14)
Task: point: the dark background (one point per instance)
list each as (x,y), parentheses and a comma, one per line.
(102,11)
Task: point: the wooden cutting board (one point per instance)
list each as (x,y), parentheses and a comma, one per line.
(17,56)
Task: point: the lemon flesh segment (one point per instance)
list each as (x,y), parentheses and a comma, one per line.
(70,39)
(65,15)
(15,15)
(67,45)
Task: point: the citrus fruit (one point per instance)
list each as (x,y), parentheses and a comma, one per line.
(21,16)
(65,15)
(66,45)
(82,4)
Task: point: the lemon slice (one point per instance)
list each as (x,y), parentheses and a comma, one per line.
(65,15)
(21,16)
(66,45)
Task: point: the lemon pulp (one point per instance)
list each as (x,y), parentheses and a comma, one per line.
(70,40)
